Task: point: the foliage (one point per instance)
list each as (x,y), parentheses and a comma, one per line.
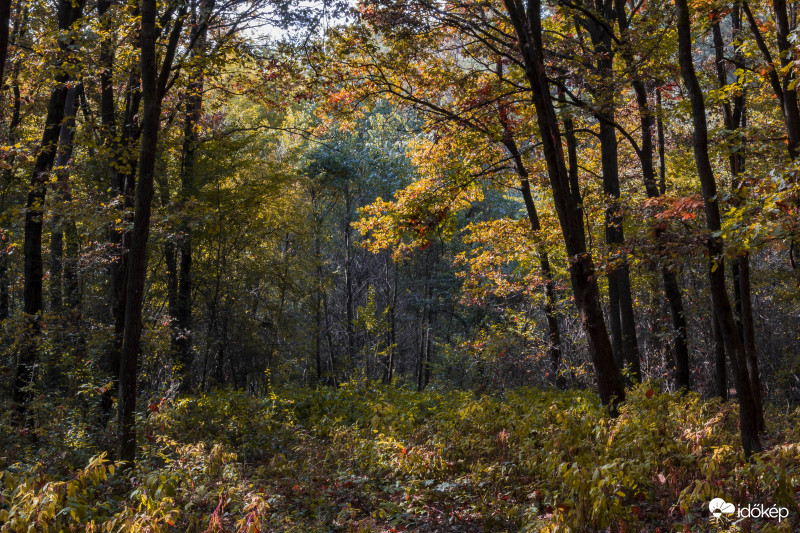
(365,457)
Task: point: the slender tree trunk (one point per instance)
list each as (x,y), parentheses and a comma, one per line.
(68,13)
(194,106)
(528,29)
(721,375)
(348,283)
(329,338)
(662,164)
(786,50)
(621,316)
(5,18)
(733,119)
(20,27)
(733,346)
(65,143)
(391,298)
(672,291)
(119,143)
(424,327)
(787,99)
(318,303)
(554,333)
(153,87)
(4,307)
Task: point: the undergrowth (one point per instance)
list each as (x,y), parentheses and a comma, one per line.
(368,458)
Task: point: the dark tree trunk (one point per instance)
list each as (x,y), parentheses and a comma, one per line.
(391,340)
(787,99)
(20,27)
(350,312)
(554,333)
(65,142)
(170,263)
(613,231)
(153,87)
(120,146)
(332,380)
(528,29)
(672,290)
(733,119)
(5,18)
(786,50)
(721,372)
(171,266)
(194,106)
(318,291)
(748,420)
(621,316)
(662,164)
(68,13)
(4,307)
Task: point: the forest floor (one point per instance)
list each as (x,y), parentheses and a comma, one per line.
(368,458)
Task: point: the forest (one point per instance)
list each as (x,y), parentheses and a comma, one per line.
(399,265)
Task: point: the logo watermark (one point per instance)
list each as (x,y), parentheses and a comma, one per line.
(719,508)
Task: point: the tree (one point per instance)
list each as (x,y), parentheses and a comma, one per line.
(748,419)
(154,86)
(526,21)
(68,14)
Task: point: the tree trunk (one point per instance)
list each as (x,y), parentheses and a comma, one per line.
(20,27)
(153,86)
(348,284)
(194,106)
(621,316)
(65,142)
(787,99)
(527,26)
(391,341)
(5,18)
(318,311)
(554,333)
(68,13)
(734,120)
(721,375)
(786,50)
(672,291)
(719,296)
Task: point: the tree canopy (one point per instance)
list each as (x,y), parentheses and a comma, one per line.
(384,265)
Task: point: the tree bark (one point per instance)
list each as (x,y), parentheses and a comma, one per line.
(721,374)
(554,333)
(20,27)
(672,291)
(348,282)
(67,14)
(194,106)
(120,145)
(621,316)
(65,143)
(153,87)
(528,29)
(5,18)
(787,99)
(662,164)
(719,295)
(391,340)
(733,119)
